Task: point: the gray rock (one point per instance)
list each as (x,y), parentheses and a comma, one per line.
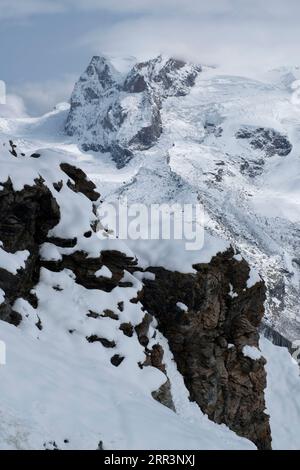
(269,141)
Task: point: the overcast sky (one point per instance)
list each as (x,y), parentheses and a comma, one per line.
(46,44)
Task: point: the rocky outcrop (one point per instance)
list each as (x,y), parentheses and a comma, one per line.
(80,183)
(170,77)
(207,340)
(25,218)
(252,168)
(85,268)
(121,115)
(269,141)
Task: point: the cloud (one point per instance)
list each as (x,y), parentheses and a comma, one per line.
(237,42)
(15,9)
(41,97)
(240,36)
(14,107)
(238,8)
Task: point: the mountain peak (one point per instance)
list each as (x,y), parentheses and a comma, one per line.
(101,69)
(105,103)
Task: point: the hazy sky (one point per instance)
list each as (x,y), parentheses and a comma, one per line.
(46,44)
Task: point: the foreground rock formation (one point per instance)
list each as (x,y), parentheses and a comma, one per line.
(207,340)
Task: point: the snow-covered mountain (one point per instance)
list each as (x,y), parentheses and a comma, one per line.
(120,113)
(91,349)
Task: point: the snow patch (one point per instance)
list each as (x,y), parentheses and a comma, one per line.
(182,306)
(253,279)
(104,271)
(232,294)
(12,262)
(252,352)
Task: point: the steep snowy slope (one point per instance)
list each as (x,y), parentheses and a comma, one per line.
(248,181)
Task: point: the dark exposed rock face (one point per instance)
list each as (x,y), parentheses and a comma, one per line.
(81,183)
(85,268)
(99,114)
(269,141)
(148,135)
(25,218)
(252,168)
(228,386)
(276,338)
(173,77)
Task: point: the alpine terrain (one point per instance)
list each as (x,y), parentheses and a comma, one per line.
(142,344)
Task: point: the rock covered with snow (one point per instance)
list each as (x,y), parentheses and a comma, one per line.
(200,319)
(120,114)
(269,141)
(70,294)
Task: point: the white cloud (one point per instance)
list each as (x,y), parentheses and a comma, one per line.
(231,32)
(238,8)
(14,107)
(41,97)
(239,46)
(242,36)
(14,9)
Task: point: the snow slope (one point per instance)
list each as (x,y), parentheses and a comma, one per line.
(46,398)
(282,396)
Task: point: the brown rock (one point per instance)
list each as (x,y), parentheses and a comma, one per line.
(226,385)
